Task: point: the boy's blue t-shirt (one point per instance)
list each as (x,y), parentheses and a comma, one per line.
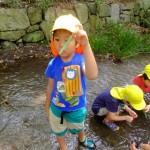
(58,95)
(105,100)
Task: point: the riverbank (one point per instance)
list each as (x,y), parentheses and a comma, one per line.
(13,57)
(22,54)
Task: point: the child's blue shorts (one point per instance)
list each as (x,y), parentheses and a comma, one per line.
(72,121)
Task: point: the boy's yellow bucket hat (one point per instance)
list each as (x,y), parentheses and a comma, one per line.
(132,93)
(67,22)
(135,96)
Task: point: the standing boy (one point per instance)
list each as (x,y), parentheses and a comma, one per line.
(67,73)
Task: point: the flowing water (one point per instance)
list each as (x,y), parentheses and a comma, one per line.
(23,122)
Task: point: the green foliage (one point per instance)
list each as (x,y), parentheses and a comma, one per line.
(145,22)
(44,3)
(99,1)
(40,3)
(17,3)
(118,40)
(13,3)
(145,44)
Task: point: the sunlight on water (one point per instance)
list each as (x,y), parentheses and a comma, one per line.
(23,122)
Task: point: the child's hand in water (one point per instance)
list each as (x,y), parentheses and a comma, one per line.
(147,108)
(133,146)
(129,118)
(133,114)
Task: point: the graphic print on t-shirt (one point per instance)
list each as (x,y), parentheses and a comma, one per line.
(73,100)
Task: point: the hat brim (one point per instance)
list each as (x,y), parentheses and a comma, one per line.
(139,106)
(148,75)
(140,74)
(117,92)
(70,30)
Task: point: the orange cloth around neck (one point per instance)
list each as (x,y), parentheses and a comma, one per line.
(79,49)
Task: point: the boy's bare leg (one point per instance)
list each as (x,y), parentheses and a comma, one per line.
(61,142)
(81,135)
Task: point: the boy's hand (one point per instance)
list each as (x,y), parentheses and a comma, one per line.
(133,114)
(129,118)
(147,108)
(133,146)
(80,36)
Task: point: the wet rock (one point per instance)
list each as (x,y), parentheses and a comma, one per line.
(8,45)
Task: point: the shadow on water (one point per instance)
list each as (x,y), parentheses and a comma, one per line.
(23,123)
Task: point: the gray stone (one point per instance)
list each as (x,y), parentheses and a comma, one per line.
(141,13)
(33,28)
(12,35)
(95,22)
(8,45)
(13,19)
(127,6)
(115,11)
(46,27)
(50,14)
(35,15)
(82,12)
(125,18)
(60,12)
(109,20)
(87,27)
(146,4)
(92,8)
(104,10)
(140,2)
(127,12)
(34,37)
(19,41)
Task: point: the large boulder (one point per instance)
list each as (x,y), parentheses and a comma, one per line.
(13,19)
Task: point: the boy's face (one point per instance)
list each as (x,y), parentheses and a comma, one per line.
(147,82)
(60,38)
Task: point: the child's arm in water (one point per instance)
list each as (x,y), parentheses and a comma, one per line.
(115,117)
(143,146)
(131,112)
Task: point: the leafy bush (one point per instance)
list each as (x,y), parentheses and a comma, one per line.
(116,39)
(13,3)
(44,3)
(40,3)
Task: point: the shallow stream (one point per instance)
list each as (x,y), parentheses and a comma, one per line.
(23,122)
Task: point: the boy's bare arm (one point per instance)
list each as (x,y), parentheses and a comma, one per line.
(48,93)
(114,117)
(143,146)
(91,69)
(131,112)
